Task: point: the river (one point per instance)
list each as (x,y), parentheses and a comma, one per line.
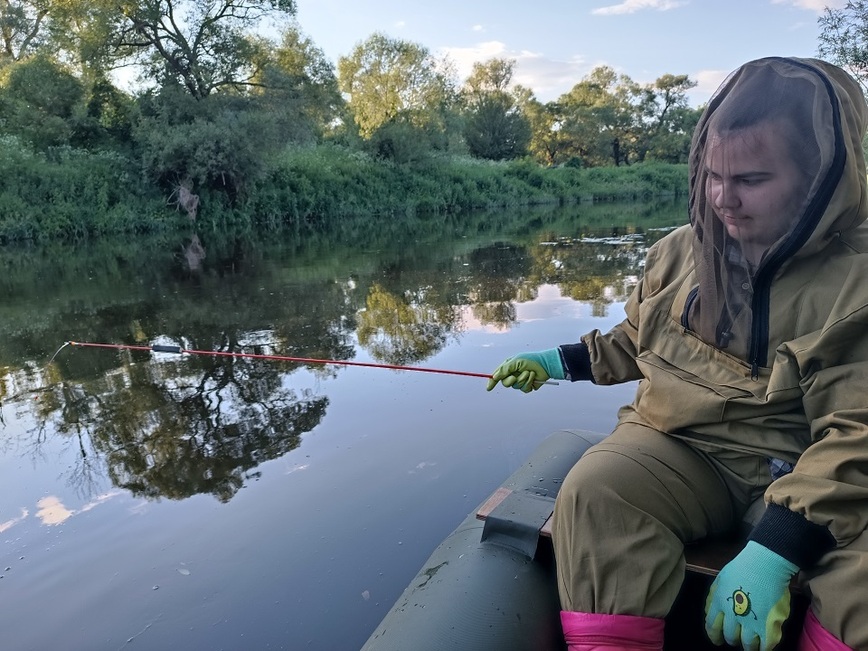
(189,501)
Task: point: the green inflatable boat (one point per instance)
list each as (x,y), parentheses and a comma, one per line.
(491,583)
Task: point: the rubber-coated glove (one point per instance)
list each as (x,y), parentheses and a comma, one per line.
(750,599)
(529,371)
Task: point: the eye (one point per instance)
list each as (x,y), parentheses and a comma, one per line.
(750,181)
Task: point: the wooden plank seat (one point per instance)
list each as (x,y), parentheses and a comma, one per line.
(704,557)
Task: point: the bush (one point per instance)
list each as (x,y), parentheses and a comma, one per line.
(71,194)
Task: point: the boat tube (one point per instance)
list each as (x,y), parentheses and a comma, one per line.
(491,584)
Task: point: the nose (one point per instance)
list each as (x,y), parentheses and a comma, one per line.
(724,195)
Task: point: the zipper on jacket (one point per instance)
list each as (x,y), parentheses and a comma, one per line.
(760,306)
(691,299)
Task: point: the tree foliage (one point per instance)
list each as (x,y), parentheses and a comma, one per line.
(296,75)
(220,142)
(666,122)
(844,38)
(389,80)
(495,128)
(203,45)
(40,102)
(608,118)
(22,28)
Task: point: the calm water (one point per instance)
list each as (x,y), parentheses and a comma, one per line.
(159,501)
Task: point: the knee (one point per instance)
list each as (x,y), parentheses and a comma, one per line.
(592,481)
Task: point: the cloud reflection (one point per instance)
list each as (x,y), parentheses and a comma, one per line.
(53,512)
(5,526)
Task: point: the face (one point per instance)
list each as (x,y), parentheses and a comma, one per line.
(754,186)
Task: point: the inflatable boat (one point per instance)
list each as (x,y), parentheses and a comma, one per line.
(491,583)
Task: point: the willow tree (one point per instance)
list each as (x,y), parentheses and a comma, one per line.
(299,79)
(494,127)
(389,80)
(23,28)
(202,45)
(844,38)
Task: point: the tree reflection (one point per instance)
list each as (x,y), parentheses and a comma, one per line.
(175,426)
(405,329)
(498,280)
(598,270)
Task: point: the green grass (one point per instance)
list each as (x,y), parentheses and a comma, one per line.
(326,183)
(69,194)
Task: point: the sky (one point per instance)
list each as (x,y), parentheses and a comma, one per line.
(555,43)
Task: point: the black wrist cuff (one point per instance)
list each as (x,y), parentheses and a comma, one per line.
(793,536)
(577,359)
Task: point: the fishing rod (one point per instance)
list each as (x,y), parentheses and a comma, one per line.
(178,350)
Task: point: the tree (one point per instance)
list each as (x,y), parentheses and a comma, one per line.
(389,80)
(599,114)
(667,121)
(82,33)
(550,144)
(494,126)
(220,142)
(22,28)
(203,45)
(844,38)
(40,102)
(297,74)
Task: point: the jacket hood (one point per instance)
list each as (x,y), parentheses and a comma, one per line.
(776,172)
(849,205)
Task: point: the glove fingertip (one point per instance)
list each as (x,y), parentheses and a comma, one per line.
(714,629)
(735,638)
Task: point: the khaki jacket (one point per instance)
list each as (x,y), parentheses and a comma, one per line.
(808,403)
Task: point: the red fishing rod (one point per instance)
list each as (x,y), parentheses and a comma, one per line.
(162,348)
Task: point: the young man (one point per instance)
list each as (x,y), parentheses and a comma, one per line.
(749,337)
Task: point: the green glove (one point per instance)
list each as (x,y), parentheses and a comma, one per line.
(529,371)
(750,599)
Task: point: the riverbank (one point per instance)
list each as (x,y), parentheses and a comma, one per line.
(69,194)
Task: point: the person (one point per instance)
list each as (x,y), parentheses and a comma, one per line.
(748,334)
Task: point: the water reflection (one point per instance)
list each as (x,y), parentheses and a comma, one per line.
(162,426)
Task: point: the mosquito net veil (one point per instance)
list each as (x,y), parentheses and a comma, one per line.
(759,156)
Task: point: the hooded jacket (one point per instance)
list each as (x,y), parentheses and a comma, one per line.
(763,353)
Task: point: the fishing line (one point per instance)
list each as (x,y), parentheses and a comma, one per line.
(162,348)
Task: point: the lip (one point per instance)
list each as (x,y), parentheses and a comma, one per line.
(733,219)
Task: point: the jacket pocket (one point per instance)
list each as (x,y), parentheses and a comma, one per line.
(675,397)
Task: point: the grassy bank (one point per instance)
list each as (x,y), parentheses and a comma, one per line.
(326,183)
(73,195)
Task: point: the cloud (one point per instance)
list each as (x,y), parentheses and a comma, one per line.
(817,6)
(478,28)
(632,6)
(465,57)
(707,81)
(548,78)
(52,511)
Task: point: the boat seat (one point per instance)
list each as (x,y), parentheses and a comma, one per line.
(703,557)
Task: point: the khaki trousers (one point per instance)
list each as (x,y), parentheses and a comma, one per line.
(629,505)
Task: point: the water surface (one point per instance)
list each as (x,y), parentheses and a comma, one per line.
(160,501)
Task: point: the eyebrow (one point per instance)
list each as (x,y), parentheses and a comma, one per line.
(741,175)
